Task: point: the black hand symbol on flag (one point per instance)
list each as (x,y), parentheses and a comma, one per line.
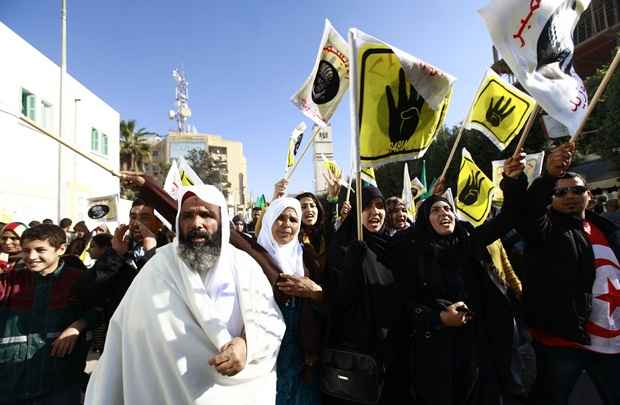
(404,117)
(471,191)
(498,112)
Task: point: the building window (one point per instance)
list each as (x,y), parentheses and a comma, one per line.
(29,105)
(104,144)
(47,116)
(94,140)
(98,142)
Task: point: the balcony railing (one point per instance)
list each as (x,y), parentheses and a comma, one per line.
(600,16)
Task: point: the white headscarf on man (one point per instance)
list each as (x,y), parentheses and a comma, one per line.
(289,256)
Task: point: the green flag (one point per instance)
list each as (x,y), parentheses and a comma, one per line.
(261,202)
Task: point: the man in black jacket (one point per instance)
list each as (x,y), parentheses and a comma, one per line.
(135,243)
(571,285)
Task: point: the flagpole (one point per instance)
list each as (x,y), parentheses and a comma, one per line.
(355,135)
(526,131)
(69,146)
(597,95)
(289,173)
(460,134)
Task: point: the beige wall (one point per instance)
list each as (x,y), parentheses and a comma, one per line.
(235,160)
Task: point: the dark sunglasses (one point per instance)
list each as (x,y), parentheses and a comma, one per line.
(561,192)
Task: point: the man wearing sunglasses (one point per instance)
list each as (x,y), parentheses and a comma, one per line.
(571,285)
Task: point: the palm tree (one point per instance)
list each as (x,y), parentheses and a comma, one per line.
(134,149)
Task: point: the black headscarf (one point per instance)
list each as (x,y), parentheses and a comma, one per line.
(347,232)
(448,252)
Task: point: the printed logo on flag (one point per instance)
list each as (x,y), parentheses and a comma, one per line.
(474,191)
(322,91)
(394,119)
(535,40)
(500,110)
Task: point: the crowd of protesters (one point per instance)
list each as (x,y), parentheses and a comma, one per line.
(424,310)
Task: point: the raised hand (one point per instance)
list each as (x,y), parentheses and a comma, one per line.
(279,189)
(498,112)
(514,166)
(333,183)
(471,191)
(559,159)
(404,117)
(132,179)
(120,240)
(440,186)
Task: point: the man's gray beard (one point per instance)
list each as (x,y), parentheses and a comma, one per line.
(200,259)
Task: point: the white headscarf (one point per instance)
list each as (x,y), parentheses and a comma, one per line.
(290,256)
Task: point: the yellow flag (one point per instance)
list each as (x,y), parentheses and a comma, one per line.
(368,175)
(332,167)
(500,110)
(188,175)
(474,191)
(407,194)
(396,120)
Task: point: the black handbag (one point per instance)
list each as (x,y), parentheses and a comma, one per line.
(352,376)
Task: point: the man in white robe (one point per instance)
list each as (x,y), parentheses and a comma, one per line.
(199,324)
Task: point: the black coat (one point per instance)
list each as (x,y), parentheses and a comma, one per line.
(446,365)
(559,265)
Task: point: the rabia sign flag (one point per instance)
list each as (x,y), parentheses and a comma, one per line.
(400,101)
(500,110)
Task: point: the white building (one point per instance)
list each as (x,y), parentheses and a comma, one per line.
(29,179)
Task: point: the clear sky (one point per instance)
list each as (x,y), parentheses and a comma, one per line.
(243,60)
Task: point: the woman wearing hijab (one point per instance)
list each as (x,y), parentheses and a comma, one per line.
(396,217)
(298,382)
(455,331)
(359,293)
(10,245)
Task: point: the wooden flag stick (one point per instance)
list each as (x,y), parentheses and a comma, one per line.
(456,143)
(598,95)
(527,129)
(460,134)
(358,211)
(32,124)
(289,173)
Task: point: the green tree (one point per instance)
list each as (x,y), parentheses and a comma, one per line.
(135,152)
(602,131)
(390,177)
(210,169)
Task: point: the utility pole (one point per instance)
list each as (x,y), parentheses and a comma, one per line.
(63,70)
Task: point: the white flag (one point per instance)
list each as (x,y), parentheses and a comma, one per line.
(173,184)
(533,168)
(320,94)
(554,128)
(407,194)
(535,38)
(294,143)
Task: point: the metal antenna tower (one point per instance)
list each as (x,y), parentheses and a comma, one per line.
(183,112)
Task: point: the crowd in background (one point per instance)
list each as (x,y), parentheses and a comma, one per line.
(424,310)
